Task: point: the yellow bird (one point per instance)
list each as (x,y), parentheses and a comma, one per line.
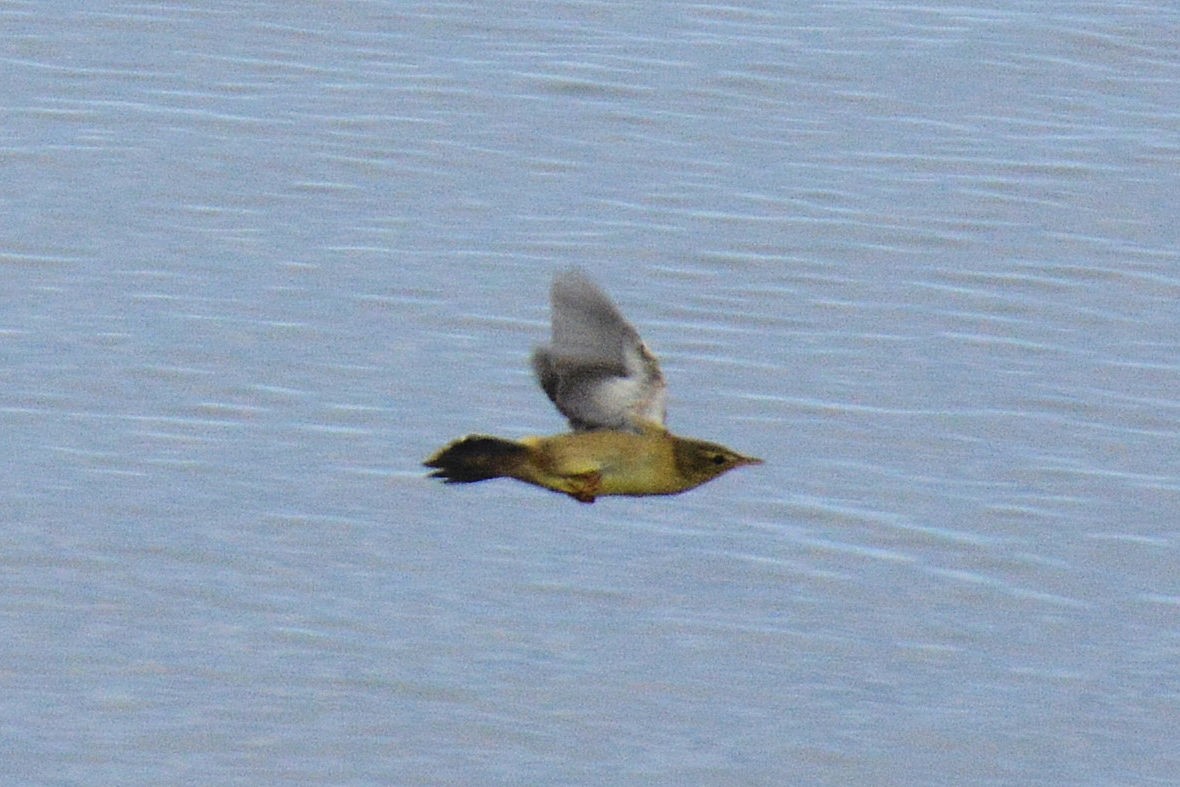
(608,384)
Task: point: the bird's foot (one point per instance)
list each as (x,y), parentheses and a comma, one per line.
(585,487)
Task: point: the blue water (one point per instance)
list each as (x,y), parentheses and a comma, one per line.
(260,259)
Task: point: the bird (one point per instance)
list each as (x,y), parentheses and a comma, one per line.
(602,377)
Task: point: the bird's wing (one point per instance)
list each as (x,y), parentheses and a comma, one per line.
(597,371)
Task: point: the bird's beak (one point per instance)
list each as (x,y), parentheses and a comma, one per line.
(749,460)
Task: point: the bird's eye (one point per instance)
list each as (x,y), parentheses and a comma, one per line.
(719,459)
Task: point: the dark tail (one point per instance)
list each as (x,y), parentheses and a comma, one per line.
(476,457)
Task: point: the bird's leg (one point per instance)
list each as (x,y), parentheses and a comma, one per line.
(584,487)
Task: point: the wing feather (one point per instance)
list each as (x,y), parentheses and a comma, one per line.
(597,371)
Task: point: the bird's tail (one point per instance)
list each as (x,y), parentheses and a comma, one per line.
(477,457)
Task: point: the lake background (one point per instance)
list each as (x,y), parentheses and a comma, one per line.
(259,259)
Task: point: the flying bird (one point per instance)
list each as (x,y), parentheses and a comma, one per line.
(608,385)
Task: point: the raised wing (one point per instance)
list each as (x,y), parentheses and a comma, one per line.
(598,371)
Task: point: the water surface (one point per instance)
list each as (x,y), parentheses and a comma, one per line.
(260,259)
